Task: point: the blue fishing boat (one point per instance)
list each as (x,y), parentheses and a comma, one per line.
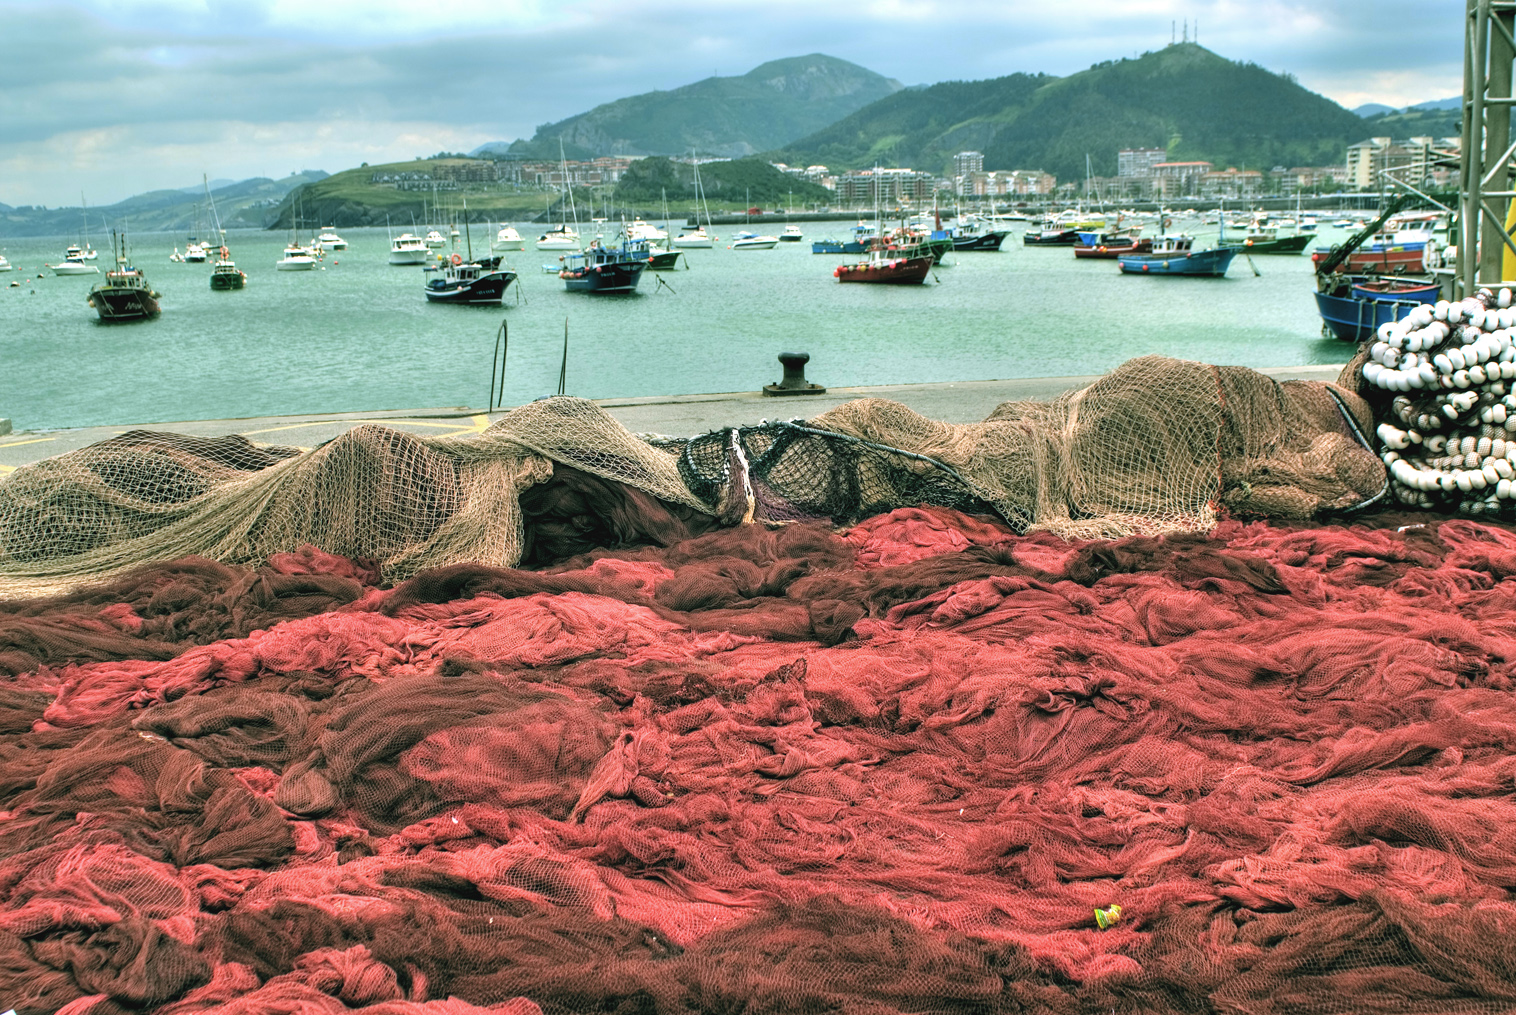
(1176,255)
(863,238)
(1354,306)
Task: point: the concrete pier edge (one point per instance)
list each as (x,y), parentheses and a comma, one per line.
(671,415)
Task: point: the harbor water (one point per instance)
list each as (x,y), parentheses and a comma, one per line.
(356,333)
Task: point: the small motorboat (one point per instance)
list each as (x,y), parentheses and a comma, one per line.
(791,234)
(6,265)
(73,263)
(508,239)
(296,258)
(435,240)
(330,240)
(752,241)
(408,248)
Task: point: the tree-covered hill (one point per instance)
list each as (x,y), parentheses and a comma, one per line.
(769,106)
(1183,97)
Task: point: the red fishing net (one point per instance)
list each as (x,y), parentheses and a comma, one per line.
(914,767)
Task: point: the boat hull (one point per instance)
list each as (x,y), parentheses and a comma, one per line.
(508,245)
(1356,320)
(1283,245)
(665,260)
(1065,238)
(223,280)
(557,244)
(74,268)
(902,271)
(838,247)
(619,277)
(1387,260)
(1105,252)
(296,264)
(756,244)
(692,243)
(988,242)
(410,256)
(116,304)
(1203,263)
(486,289)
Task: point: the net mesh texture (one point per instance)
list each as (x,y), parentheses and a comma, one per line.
(1004,717)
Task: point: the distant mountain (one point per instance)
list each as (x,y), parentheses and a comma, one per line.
(245,203)
(769,106)
(1183,97)
(1456,102)
(1372,109)
(1427,120)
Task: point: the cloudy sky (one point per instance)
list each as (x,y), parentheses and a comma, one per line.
(114,97)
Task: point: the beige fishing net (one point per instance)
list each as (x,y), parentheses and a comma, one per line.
(1155,446)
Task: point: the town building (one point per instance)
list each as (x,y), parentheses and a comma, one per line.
(1413,160)
(888,186)
(967,163)
(1139,161)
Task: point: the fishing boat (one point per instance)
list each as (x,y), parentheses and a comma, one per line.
(746,240)
(124,294)
(863,237)
(1265,239)
(466,281)
(1352,307)
(791,234)
(73,263)
(663,260)
(225,275)
(1176,255)
(602,269)
(886,267)
(507,238)
(329,239)
(971,233)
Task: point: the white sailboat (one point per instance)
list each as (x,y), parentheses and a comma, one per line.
(562,237)
(699,238)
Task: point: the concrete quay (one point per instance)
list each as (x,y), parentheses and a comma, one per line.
(670,415)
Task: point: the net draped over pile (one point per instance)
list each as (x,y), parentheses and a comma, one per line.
(1155,446)
(896,769)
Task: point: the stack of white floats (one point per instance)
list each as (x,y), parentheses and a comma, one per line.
(1456,364)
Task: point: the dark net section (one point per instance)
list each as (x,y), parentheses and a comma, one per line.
(924,765)
(787,471)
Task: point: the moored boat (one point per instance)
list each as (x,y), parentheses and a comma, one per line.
(507,238)
(329,239)
(1352,307)
(791,234)
(124,294)
(1053,237)
(558,238)
(1266,240)
(6,265)
(863,238)
(408,248)
(694,239)
(886,267)
(1112,248)
(435,240)
(746,240)
(73,263)
(296,258)
(973,234)
(471,282)
(1176,255)
(602,269)
(225,274)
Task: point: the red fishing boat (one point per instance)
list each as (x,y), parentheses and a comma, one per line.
(888,266)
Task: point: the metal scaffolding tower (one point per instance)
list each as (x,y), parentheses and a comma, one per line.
(1489,50)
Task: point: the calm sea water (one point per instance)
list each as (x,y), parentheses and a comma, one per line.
(359,335)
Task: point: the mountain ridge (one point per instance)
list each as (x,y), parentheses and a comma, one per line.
(772,104)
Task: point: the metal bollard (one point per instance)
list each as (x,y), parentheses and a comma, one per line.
(794,382)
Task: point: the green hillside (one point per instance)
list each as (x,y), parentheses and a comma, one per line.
(1183,97)
(732,116)
(739,183)
(1414,123)
(351,198)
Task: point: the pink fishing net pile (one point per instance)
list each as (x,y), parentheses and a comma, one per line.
(776,770)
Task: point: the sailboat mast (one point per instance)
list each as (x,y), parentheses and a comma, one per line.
(468,236)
